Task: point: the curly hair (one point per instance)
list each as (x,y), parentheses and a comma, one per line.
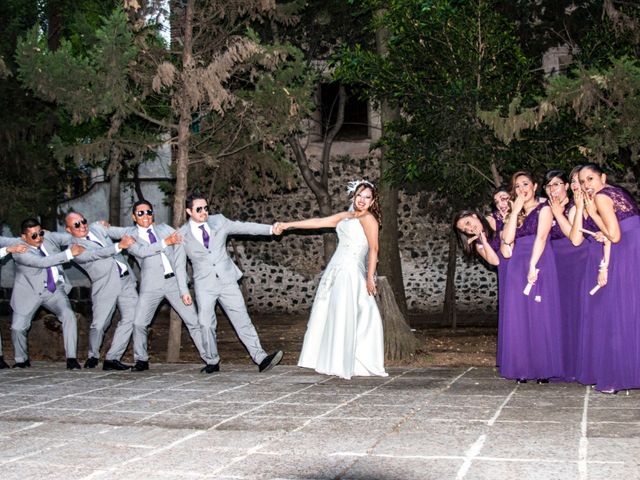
(375,204)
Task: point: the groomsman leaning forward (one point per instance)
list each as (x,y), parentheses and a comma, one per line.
(7,246)
(113,284)
(40,282)
(163,275)
(216,278)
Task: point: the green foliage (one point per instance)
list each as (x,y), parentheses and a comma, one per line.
(445,59)
(126,92)
(32,178)
(606,103)
(86,85)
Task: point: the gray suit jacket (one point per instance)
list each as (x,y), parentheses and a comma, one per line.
(99,262)
(149,259)
(30,282)
(8,241)
(213,264)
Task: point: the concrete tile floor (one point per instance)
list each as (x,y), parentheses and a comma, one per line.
(441,423)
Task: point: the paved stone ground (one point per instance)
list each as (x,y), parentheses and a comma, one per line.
(438,423)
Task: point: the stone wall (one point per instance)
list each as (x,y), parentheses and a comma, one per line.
(282,274)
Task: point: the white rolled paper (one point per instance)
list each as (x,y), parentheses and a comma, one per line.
(594,290)
(527,289)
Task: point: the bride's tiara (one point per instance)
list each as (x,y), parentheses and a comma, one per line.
(354,184)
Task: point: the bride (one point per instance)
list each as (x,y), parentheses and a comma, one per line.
(344,334)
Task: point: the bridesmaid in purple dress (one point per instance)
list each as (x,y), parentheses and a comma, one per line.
(475,235)
(609,351)
(532,332)
(501,197)
(570,263)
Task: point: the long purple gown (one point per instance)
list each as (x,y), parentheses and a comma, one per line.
(502,269)
(609,350)
(570,264)
(531,328)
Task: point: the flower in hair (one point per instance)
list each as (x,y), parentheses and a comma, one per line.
(354,184)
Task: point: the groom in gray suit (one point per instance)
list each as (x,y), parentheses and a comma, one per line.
(113,283)
(7,246)
(164,275)
(216,278)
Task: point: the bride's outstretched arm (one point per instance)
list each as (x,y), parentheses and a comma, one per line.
(314,223)
(371,227)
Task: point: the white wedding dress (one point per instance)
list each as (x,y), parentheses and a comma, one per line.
(344,335)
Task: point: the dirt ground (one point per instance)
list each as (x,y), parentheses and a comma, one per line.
(464,346)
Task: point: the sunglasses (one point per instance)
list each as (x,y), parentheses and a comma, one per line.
(199,209)
(142,213)
(76,225)
(36,235)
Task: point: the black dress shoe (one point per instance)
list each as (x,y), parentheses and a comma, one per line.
(210,368)
(92,362)
(540,381)
(140,366)
(270,361)
(3,364)
(521,380)
(115,365)
(25,364)
(72,364)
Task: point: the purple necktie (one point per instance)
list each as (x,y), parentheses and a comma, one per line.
(51,285)
(152,237)
(205,236)
(94,241)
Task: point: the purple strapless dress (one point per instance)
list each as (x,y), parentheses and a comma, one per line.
(609,348)
(502,270)
(570,265)
(531,330)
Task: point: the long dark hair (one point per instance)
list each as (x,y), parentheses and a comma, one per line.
(375,204)
(463,238)
(512,190)
(574,171)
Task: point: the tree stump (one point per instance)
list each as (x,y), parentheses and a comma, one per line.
(399,341)
(46,340)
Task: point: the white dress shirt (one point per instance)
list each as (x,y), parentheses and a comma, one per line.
(144,235)
(93,238)
(57,277)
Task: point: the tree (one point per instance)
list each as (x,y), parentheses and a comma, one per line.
(31,176)
(218,101)
(599,98)
(323,27)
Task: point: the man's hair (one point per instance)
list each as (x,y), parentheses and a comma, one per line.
(141,202)
(195,195)
(72,212)
(29,223)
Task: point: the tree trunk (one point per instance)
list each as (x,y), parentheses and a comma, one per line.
(137,185)
(182,166)
(399,341)
(114,198)
(320,189)
(497,178)
(389,263)
(449,315)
